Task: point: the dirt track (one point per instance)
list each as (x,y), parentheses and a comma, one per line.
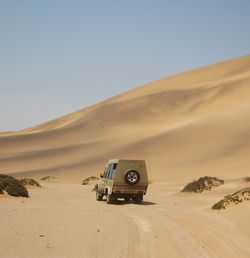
(64,220)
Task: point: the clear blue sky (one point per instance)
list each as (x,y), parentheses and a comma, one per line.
(60,56)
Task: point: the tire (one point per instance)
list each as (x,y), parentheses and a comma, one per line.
(132,177)
(127,199)
(138,199)
(98,196)
(110,199)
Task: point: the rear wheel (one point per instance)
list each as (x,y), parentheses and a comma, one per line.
(127,199)
(138,199)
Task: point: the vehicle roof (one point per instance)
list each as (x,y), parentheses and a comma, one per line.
(127,160)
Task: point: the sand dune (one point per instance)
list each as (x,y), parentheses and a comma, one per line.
(194,123)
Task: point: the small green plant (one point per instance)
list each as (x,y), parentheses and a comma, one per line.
(12,186)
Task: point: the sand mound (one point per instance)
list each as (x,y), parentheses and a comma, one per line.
(205,183)
(246,179)
(235,198)
(12,186)
(90,180)
(29,182)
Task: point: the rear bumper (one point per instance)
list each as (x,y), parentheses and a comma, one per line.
(126,189)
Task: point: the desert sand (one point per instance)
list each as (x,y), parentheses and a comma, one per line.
(185,126)
(64,220)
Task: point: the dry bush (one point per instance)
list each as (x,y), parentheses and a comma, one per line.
(29,182)
(235,198)
(89,180)
(95,188)
(48,178)
(202,184)
(12,186)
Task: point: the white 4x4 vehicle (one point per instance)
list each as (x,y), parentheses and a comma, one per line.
(125,179)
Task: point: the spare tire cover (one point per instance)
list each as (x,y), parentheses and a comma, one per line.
(132,177)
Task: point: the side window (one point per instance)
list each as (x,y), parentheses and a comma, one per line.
(108,171)
(105,172)
(113,171)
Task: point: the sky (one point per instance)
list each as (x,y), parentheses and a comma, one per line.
(60,56)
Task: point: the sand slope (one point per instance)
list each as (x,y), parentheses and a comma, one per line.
(194,123)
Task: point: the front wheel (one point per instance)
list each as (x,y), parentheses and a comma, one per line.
(110,198)
(98,196)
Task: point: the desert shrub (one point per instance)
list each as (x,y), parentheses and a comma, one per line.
(219,205)
(48,178)
(89,180)
(246,178)
(203,183)
(12,186)
(235,198)
(29,182)
(95,188)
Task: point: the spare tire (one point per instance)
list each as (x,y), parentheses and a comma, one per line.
(132,177)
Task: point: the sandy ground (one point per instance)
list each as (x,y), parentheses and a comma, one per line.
(65,220)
